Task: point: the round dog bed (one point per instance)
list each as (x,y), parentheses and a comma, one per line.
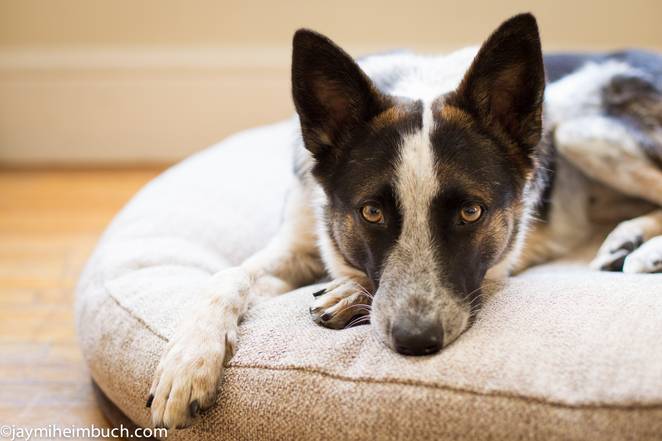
(560,353)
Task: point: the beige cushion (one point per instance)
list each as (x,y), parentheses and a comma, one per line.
(560,353)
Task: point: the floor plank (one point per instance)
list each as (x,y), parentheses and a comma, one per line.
(49,223)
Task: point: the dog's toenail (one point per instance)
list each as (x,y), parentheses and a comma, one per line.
(326,316)
(319,293)
(193,408)
(149,400)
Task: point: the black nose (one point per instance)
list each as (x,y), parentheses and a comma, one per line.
(418,339)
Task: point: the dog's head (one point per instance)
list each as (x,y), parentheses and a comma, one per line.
(424,197)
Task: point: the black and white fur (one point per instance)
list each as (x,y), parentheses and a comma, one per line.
(424,136)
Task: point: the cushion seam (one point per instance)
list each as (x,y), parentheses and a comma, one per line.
(136,318)
(367,380)
(457,389)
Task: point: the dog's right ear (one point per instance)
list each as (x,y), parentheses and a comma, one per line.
(332,95)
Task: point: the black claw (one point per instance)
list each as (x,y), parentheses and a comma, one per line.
(149,400)
(193,408)
(326,316)
(616,264)
(319,293)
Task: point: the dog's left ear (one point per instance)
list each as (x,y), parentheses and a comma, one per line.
(504,86)
(332,95)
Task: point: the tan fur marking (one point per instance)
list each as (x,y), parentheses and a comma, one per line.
(344,233)
(389,117)
(456,115)
(496,232)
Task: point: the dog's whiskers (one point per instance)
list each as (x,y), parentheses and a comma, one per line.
(358,320)
(485,285)
(476,304)
(361,305)
(366,292)
(475,309)
(469,294)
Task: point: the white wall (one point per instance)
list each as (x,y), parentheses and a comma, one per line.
(154,80)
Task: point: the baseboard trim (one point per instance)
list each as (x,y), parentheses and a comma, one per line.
(131,105)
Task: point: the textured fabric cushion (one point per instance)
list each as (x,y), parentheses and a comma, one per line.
(559,353)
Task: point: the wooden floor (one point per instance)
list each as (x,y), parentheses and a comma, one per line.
(49,223)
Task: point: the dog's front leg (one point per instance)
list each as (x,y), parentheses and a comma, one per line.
(190,371)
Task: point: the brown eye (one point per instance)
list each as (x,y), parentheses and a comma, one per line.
(471,213)
(372,214)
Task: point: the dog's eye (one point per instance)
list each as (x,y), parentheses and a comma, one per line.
(470,213)
(372,214)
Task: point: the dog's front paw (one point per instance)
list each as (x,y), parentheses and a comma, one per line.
(188,375)
(645,259)
(343,302)
(626,237)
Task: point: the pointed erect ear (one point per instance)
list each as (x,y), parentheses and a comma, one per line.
(504,86)
(331,93)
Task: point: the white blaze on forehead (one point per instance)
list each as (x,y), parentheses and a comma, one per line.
(416,186)
(416,179)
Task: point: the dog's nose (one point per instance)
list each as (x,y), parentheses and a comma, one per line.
(418,339)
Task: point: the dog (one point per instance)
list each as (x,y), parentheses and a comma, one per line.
(421,178)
